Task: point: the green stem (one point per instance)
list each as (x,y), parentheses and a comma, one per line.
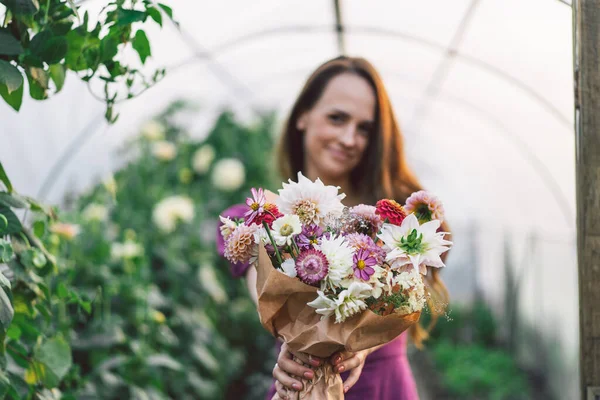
(273,242)
(296,248)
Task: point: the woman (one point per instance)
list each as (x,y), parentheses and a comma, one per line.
(342,129)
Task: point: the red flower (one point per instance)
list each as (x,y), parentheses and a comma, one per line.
(390,210)
(270,214)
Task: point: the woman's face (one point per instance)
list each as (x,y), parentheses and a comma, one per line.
(338,127)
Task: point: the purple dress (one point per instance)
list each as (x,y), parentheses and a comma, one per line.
(386,374)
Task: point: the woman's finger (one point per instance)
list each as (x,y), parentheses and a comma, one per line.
(348,364)
(281,391)
(287,364)
(285,379)
(352,378)
(305,358)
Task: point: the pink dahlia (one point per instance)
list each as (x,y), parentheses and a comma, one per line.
(360,241)
(390,210)
(240,245)
(363,264)
(312,266)
(425,206)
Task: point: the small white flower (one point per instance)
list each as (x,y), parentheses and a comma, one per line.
(351,301)
(227,228)
(95,212)
(311,201)
(203,158)
(164,151)
(289,268)
(414,244)
(153,130)
(169,211)
(209,281)
(340,257)
(285,228)
(228,174)
(126,250)
(323,304)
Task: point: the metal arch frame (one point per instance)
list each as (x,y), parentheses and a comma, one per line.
(525,150)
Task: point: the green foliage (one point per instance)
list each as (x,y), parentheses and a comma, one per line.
(476,372)
(469,360)
(40,41)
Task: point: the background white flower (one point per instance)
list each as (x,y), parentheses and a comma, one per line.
(209,281)
(169,211)
(95,212)
(126,250)
(203,158)
(164,150)
(228,174)
(153,130)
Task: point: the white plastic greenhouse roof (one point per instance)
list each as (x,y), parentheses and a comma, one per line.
(483,90)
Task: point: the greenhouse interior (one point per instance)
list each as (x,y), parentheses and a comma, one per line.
(184,102)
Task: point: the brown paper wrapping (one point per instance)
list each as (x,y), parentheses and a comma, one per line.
(283,311)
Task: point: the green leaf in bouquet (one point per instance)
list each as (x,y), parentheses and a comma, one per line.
(14,225)
(13,200)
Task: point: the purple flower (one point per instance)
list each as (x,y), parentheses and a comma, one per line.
(256,204)
(310,235)
(360,241)
(312,266)
(363,263)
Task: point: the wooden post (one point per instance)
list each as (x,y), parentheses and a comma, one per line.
(586,29)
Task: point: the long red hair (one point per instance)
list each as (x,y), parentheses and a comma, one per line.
(383,171)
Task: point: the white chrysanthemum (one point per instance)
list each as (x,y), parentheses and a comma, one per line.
(228,174)
(340,258)
(311,201)
(95,212)
(289,268)
(285,228)
(411,282)
(169,211)
(164,150)
(323,304)
(209,281)
(153,130)
(411,243)
(227,228)
(351,301)
(126,250)
(203,158)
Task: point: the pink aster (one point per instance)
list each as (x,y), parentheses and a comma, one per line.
(425,206)
(312,266)
(256,204)
(360,241)
(363,264)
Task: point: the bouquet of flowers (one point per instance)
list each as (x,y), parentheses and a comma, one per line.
(332,277)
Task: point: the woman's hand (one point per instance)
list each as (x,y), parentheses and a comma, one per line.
(286,370)
(353,362)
